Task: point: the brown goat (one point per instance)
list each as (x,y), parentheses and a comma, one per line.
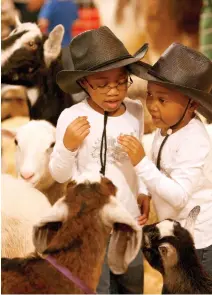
(75,233)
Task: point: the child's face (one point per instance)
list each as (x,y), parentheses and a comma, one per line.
(112,99)
(166,106)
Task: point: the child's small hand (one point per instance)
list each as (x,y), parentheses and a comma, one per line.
(144,204)
(75,133)
(43,24)
(132,146)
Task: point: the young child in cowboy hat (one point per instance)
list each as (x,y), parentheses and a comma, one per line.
(178,176)
(86,133)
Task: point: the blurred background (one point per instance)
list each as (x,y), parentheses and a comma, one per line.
(157,22)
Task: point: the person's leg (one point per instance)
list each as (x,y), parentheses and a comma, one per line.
(132,281)
(205,256)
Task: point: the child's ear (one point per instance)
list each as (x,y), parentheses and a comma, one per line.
(193,106)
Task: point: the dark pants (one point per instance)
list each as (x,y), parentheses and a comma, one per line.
(205,256)
(130,282)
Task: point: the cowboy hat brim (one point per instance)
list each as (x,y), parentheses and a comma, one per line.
(203,98)
(67,79)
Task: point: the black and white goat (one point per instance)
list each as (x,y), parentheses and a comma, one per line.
(169,248)
(31,59)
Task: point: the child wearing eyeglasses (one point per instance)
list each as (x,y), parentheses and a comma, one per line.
(86,134)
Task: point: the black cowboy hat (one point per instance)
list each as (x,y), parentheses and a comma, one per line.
(182,69)
(95,51)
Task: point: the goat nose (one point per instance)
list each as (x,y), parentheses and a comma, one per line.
(27,175)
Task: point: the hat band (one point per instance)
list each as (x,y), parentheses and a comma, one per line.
(108,63)
(179,83)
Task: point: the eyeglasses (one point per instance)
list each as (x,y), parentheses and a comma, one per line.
(121,85)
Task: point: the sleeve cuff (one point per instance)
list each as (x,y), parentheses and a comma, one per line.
(64,152)
(145,161)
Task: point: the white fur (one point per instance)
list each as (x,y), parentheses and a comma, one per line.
(22,206)
(6,87)
(33,94)
(58,212)
(88,177)
(114,210)
(33,152)
(166,228)
(33,32)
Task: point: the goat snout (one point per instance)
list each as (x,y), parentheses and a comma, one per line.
(27,175)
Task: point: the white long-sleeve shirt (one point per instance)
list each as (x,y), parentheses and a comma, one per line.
(185,179)
(64,163)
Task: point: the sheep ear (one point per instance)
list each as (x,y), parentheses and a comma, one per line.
(191,219)
(125,241)
(49,224)
(8,133)
(52,46)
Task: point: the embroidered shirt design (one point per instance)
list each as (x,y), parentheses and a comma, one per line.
(114,150)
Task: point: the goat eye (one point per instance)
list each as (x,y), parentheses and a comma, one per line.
(31,43)
(16,142)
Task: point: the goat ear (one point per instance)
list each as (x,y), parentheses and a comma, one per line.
(57,213)
(49,224)
(52,46)
(191,219)
(125,241)
(43,235)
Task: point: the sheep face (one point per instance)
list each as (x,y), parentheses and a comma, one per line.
(35,142)
(13,102)
(166,243)
(86,215)
(26,53)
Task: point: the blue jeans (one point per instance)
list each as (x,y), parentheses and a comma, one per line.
(205,256)
(131,282)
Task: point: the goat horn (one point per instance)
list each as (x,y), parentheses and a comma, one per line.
(17,20)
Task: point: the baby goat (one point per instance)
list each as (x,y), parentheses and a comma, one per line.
(74,233)
(169,248)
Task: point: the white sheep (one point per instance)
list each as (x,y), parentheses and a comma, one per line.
(22,205)
(35,141)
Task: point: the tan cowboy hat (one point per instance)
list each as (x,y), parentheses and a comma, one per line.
(95,51)
(185,70)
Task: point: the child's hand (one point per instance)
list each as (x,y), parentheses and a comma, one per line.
(75,133)
(144,204)
(132,146)
(43,24)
